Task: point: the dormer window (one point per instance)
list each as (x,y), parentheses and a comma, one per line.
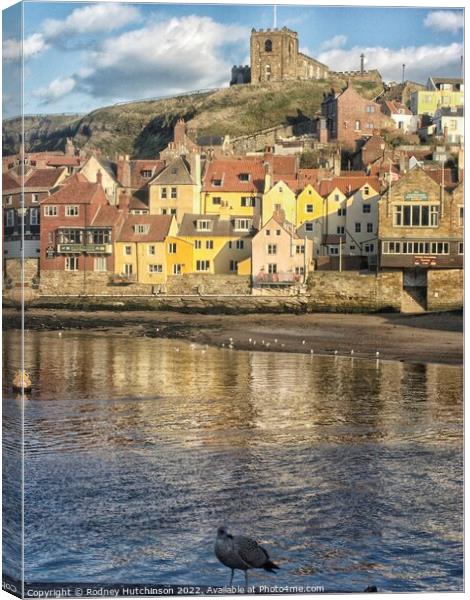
(174,171)
(244,177)
(366,190)
(242,224)
(203,225)
(146,173)
(141,228)
(217,182)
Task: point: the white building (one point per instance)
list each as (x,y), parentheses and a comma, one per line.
(402,116)
(449,122)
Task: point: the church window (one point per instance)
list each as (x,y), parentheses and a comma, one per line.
(268,46)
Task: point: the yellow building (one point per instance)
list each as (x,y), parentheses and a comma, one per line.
(140,248)
(279,197)
(219,243)
(310,206)
(179,255)
(176,190)
(233,187)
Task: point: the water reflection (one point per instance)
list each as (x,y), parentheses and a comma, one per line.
(138,448)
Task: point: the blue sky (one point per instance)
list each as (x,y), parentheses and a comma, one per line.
(79,56)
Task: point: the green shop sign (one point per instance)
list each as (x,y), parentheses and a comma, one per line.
(416,195)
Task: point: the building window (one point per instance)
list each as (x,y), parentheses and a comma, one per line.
(417,215)
(33,216)
(203,225)
(174,193)
(9,200)
(268,46)
(155,268)
(172,248)
(172,211)
(369,248)
(334,250)
(71,263)
(242,224)
(244,177)
(164,211)
(216,200)
(309,208)
(278,232)
(127,250)
(233,265)
(151,250)
(460,247)
(10,218)
(366,190)
(272,268)
(100,264)
(336,197)
(217,182)
(415,247)
(128,269)
(461,216)
(100,236)
(268,232)
(240,244)
(146,173)
(272,248)
(370,109)
(357,125)
(366,208)
(209,244)
(357,227)
(341,212)
(71,211)
(299,270)
(300,249)
(35,198)
(370,227)
(50,211)
(176,269)
(308,226)
(163,193)
(202,265)
(340,230)
(141,228)
(197,244)
(248,201)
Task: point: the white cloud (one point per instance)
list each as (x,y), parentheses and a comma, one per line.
(336,41)
(58,88)
(444,20)
(91,19)
(32,45)
(163,58)
(420,61)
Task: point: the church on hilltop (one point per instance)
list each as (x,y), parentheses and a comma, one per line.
(275,56)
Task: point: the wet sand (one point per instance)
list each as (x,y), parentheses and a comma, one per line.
(430,337)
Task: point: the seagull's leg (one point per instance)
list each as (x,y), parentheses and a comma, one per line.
(231,578)
(246,581)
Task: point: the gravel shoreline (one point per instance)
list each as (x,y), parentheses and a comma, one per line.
(423,338)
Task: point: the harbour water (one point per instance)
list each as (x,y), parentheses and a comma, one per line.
(348,471)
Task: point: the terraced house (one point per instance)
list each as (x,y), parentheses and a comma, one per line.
(221,244)
(140,248)
(176,189)
(233,187)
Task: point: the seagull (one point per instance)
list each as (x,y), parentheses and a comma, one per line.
(377,354)
(336,351)
(303,341)
(60,333)
(239,552)
(352,352)
(275,340)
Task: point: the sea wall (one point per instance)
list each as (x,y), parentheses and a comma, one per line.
(445,289)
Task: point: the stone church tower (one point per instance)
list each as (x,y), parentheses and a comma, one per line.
(275,56)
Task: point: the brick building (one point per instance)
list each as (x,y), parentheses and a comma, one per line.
(350,117)
(78,228)
(275,56)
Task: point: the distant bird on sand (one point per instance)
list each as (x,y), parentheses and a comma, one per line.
(239,552)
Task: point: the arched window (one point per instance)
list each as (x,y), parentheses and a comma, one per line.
(268,46)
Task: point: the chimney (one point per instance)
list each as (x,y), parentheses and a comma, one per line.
(99,177)
(194,160)
(267,176)
(337,164)
(124,171)
(179,132)
(279,215)
(124,202)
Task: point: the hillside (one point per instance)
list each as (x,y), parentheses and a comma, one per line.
(143,128)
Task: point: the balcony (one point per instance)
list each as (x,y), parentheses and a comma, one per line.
(84,248)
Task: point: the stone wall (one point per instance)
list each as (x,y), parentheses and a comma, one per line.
(192,283)
(354,292)
(259,140)
(445,289)
(13,267)
(57,283)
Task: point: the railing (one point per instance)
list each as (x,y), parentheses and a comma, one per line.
(288,278)
(88,248)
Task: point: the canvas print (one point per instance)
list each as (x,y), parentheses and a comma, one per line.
(232,275)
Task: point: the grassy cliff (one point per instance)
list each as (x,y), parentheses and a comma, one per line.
(143,128)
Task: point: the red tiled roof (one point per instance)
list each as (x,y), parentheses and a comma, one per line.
(394,107)
(77,190)
(450,177)
(347,185)
(107,216)
(9,182)
(229,170)
(58,161)
(158,228)
(43,178)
